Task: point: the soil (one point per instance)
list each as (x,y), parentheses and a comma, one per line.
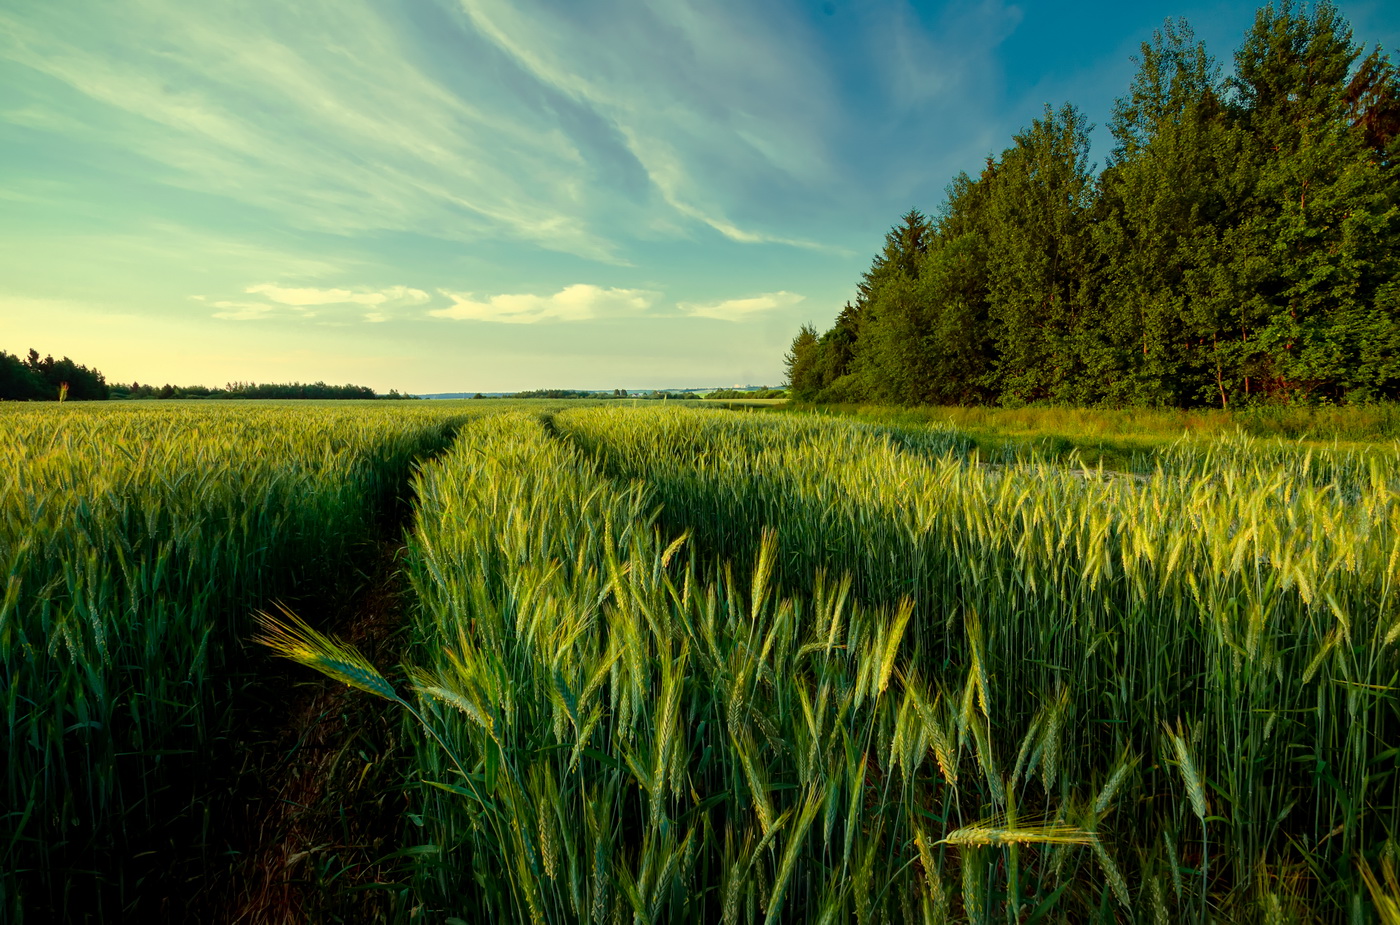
(319,783)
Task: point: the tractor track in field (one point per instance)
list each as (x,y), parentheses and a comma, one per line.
(320,794)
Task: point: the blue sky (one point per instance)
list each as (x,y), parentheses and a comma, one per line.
(442,195)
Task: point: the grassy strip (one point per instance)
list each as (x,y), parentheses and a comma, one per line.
(1130,439)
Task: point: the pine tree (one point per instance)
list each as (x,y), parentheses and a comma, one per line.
(802,362)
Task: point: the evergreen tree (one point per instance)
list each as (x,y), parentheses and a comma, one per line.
(958,342)
(837,348)
(803,372)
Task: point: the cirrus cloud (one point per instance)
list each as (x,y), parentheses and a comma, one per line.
(740,309)
(378,304)
(301,297)
(579,302)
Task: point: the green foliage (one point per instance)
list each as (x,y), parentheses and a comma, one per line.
(43,379)
(1038,258)
(653,732)
(20,382)
(762,392)
(803,371)
(1241,246)
(554,393)
(677,664)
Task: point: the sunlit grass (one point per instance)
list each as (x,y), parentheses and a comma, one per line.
(677,664)
(134,538)
(1130,438)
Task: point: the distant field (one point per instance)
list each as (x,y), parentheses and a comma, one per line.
(741,402)
(674,663)
(1130,438)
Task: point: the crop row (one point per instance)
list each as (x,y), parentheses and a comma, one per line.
(1221,639)
(942,692)
(133,543)
(614,730)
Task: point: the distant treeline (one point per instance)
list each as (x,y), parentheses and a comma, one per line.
(558,393)
(1242,245)
(653,394)
(47,379)
(318,390)
(764,392)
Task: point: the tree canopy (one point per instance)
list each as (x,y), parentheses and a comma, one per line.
(1242,244)
(46,379)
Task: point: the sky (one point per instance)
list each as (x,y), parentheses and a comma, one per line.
(497,195)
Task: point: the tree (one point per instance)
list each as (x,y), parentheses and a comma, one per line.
(1373,103)
(1242,244)
(1166,198)
(885,316)
(1322,217)
(1038,255)
(803,372)
(83,384)
(837,347)
(854,360)
(957,345)
(18,382)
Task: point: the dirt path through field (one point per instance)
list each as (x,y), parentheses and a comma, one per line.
(321,782)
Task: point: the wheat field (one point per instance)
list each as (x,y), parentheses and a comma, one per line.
(134,541)
(681,664)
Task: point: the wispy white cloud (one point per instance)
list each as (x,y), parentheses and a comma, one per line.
(705,96)
(749,118)
(579,302)
(740,309)
(376,304)
(304,296)
(347,133)
(574,127)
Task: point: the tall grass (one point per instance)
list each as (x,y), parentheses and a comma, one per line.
(687,665)
(614,728)
(1136,439)
(1225,630)
(133,542)
(1350,423)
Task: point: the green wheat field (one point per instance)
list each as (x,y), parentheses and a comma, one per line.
(692,664)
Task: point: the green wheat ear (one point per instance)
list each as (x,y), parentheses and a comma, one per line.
(1385,896)
(291,637)
(995,831)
